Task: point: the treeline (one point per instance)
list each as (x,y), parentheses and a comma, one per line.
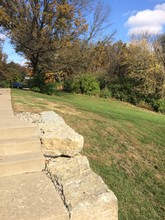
(64,43)
(133,72)
(9,71)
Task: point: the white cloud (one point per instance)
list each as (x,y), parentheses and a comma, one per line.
(160,7)
(2,36)
(151,21)
(128,13)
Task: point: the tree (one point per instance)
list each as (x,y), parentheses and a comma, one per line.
(43,30)
(115,53)
(39,27)
(159,48)
(16,72)
(139,74)
(99,22)
(145,68)
(3,63)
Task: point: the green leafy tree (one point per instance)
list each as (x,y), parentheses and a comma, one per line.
(16,72)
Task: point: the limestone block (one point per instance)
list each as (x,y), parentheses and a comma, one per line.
(85,194)
(57,138)
(51,117)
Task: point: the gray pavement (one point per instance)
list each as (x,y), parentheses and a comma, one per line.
(27,196)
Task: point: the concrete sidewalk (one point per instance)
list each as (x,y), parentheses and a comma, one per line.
(30,196)
(6,110)
(24,193)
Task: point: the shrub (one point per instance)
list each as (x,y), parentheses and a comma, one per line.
(72,85)
(35,89)
(39,84)
(145,105)
(123,89)
(89,85)
(103,81)
(38,80)
(48,88)
(161,104)
(5,84)
(84,84)
(105,93)
(153,100)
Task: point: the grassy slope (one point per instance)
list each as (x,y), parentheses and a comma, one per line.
(125,145)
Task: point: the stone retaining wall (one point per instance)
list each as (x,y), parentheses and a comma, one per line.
(83,192)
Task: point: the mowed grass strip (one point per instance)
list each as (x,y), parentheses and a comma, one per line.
(124,144)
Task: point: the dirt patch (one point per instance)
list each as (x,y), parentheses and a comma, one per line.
(63,109)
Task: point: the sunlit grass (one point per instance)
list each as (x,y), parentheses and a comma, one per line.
(124,144)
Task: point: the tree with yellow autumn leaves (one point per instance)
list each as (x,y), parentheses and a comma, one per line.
(39,28)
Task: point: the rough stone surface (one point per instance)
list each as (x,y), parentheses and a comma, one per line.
(28,116)
(83,192)
(51,117)
(57,138)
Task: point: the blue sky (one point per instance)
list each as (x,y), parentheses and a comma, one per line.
(132,16)
(127,17)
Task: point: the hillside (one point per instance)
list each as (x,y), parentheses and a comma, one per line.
(125,146)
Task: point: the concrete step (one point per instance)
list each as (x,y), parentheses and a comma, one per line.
(30,196)
(6,114)
(14,128)
(21,163)
(18,146)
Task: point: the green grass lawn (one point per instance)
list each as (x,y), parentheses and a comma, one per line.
(124,144)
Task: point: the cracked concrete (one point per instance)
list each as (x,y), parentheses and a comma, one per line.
(59,188)
(82,191)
